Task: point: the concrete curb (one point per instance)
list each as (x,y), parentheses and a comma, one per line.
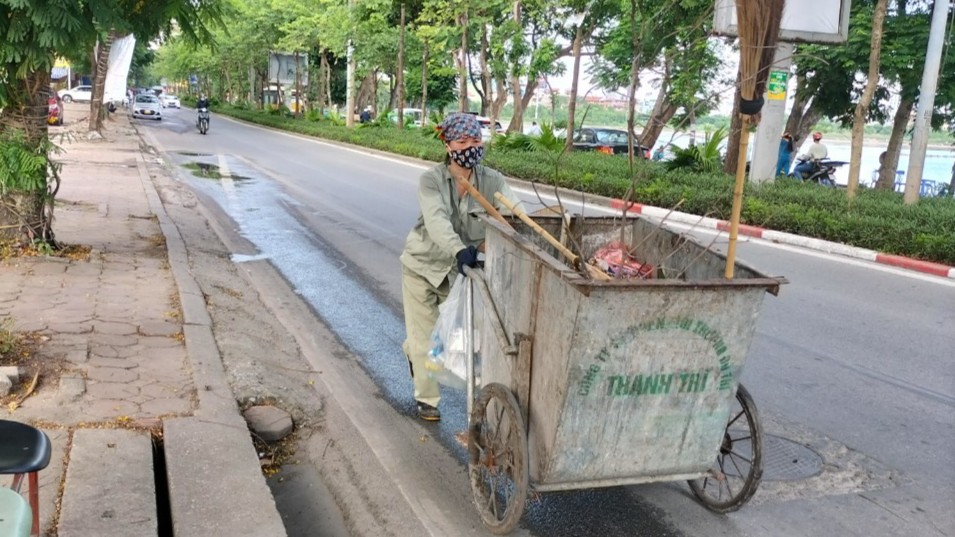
(221,476)
(927,267)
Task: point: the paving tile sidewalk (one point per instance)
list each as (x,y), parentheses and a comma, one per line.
(114,321)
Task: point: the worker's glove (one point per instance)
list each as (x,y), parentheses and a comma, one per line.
(467,257)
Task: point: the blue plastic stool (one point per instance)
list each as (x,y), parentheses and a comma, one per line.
(24,451)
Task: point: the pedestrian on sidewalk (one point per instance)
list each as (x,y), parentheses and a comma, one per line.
(446,238)
(785,156)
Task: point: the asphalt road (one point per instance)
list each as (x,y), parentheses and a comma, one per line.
(851,367)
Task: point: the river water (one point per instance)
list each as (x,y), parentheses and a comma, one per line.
(937,168)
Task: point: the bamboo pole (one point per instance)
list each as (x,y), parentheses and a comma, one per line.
(737,198)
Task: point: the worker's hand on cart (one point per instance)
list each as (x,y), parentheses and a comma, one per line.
(467,257)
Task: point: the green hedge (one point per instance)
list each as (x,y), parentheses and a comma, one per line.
(876,220)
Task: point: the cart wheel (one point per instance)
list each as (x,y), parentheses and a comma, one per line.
(739,465)
(497,458)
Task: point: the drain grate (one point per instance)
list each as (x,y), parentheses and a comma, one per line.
(785,460)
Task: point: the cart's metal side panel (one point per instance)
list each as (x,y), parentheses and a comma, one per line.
(652,375)
(559,304)
(630,381)
(511,284)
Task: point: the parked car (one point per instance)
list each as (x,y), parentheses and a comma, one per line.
(169,100)
(55,111)
(413,116)
(79,93)
(609,141)
(147,106)
(486,127)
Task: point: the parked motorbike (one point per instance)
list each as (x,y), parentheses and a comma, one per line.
(203,121)
(823,172)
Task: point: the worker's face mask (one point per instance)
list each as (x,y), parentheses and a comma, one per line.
(468,157)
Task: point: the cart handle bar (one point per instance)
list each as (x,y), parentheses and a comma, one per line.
(477,275)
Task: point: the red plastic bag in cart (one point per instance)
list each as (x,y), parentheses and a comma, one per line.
(615,259)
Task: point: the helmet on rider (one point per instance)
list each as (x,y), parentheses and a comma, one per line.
(816,136)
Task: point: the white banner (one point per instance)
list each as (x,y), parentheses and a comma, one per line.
(120,57)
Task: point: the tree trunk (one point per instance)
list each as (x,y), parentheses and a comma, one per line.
(635,38)
(733,138)
(298,87)
(500,98)
(462,61)
(804,115)
(572,98)
(487,81)
(517,120)
(872,82)
(400,78)
(26,206)
(529,90)
(900,123)
(424,84)
(663,112)
(97,106)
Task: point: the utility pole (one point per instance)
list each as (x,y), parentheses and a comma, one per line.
(923,120)
(773,122)
(350,73)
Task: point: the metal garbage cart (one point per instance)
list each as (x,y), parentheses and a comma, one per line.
(586,383)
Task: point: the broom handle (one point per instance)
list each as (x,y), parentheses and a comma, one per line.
(476,194)
(571,256)
(737,199)
(574,259)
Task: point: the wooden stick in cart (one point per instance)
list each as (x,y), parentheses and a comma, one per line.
(476,194)
(574,259)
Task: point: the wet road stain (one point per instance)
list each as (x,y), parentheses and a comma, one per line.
(211,171)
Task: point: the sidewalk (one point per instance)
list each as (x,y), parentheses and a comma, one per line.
(132,384)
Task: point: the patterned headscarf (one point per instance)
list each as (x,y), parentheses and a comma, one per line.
(459,125)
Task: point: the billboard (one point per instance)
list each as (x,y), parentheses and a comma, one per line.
(283,66)
(804,21)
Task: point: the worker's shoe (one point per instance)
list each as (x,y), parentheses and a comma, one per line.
(428,412)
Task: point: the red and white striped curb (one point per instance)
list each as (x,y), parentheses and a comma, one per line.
(936,269)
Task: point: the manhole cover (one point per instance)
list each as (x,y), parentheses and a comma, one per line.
(785,460)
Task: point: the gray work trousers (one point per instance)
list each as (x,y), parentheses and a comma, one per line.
(421,300)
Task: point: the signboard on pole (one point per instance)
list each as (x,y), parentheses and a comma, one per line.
(283,67)
(776,85)
(804,21)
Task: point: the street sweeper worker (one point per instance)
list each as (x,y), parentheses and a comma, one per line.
(447,237)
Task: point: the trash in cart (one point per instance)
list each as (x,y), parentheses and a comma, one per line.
(447,359)
(615,260)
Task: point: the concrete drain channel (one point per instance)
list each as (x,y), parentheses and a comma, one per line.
(785,460)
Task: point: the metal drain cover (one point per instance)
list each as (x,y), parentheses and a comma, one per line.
(785,460)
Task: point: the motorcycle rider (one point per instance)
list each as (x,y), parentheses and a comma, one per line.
(202,103)
(807,162)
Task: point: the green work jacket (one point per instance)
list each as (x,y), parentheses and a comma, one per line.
(449,223)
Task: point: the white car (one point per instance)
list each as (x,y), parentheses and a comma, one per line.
(147,106)
(79,93)
(486,127)
(169,100)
